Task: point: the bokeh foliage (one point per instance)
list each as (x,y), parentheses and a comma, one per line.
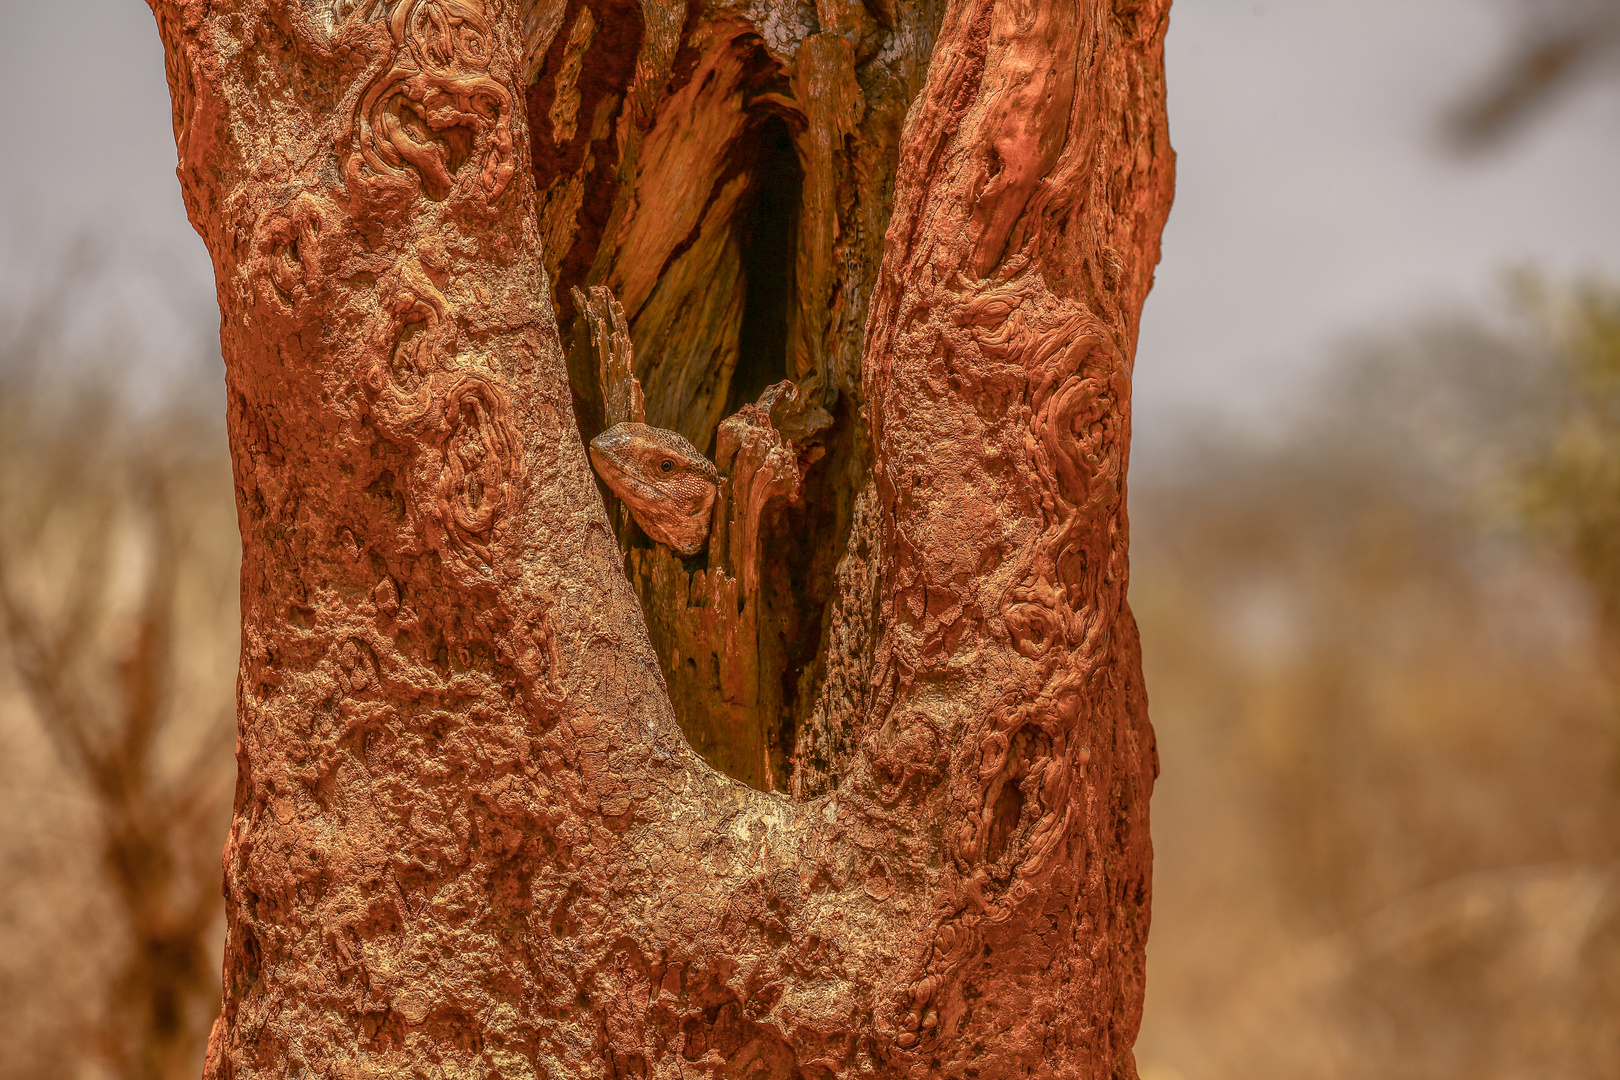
(1572,488)
(1380,655)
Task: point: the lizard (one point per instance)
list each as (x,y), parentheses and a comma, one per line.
(668,486)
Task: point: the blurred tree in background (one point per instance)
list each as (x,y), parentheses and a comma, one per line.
(1388,832)
(1573,486)
(118,636)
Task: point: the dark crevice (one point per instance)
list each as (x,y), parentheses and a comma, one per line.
(606,71)
(800,578)
(770,234)
(1009,807)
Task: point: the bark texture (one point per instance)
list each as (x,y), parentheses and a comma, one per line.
(470,836)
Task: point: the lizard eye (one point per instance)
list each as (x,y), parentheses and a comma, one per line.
(667,465)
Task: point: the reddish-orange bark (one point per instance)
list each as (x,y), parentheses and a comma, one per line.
(470,836)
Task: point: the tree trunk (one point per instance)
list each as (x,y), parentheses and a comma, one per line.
(470,834)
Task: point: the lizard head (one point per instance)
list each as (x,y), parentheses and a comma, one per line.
(669,487)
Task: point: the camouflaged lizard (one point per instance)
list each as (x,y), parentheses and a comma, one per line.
(667,485)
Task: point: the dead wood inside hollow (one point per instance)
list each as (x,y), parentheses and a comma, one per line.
(748,202)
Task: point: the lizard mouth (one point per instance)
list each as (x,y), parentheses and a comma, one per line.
(634,484)
(623,483)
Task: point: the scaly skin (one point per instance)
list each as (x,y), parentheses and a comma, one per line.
(669,487)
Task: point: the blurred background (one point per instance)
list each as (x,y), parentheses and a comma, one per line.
(1376,510)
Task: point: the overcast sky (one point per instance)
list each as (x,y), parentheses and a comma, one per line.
(1311,203)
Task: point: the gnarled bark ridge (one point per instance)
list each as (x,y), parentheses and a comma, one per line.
(470,837)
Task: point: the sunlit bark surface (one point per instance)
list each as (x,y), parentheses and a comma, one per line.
(471,834)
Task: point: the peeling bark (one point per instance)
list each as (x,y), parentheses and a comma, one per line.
(470,835)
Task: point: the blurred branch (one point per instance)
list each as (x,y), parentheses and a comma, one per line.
(1553,52)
